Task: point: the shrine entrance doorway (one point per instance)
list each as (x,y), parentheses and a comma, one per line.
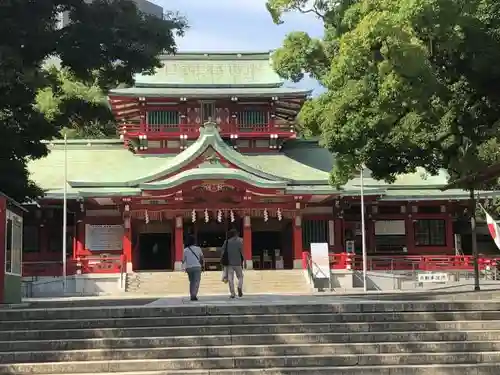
(271,244)
(155,251)
(210,236)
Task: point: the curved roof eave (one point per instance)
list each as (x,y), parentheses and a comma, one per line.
(212,174)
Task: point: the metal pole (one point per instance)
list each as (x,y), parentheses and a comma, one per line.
(475,252)
(363,230)
(65,212)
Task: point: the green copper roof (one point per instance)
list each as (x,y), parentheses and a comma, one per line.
(215,69)
(106,168)
(216,92)
(272,167)
(92,160)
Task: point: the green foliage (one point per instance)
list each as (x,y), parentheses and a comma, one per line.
(76,108)
(107,43)
(410,83)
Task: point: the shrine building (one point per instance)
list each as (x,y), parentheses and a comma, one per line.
(206,144)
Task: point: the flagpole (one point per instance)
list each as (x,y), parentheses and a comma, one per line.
(475,253)
(363,229)
(65,213)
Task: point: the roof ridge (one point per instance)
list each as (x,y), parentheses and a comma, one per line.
(264,55)
(83,141)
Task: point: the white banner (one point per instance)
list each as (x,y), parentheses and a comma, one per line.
(320,260)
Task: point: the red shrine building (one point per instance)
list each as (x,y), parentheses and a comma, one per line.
(207,144)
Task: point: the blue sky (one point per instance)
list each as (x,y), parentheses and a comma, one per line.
(237,25)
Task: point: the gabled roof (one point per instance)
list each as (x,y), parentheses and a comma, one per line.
(265,170)
(209,138)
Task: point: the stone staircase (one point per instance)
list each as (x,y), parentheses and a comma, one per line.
(255,282)
(420,338)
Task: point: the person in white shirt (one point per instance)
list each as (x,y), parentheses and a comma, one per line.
(193,264)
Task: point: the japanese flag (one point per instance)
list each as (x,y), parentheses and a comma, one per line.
(493,228)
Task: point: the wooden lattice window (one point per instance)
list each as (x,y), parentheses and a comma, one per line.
(251,118)
(163,118)
(430,232)
(208,111)
(314,231)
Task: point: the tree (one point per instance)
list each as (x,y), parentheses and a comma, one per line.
(107,42)
(409,84)
(76,108)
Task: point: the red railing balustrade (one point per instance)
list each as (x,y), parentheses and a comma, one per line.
(82,265)
(346,261)
(47,268)
(104,263)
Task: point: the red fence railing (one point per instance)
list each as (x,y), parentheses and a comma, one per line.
(47,268)
(340,261)
(100,264)
(82,265)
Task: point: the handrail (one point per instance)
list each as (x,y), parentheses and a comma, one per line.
(309,264)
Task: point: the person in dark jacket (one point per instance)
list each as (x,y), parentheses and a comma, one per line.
(233,259)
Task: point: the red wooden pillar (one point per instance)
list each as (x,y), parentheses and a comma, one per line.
(339,236)
(44,239)
(80,239)
(297,242)
(3,221)
(370,235)
(450,238)
(179,243)
(247,241)
(410,232)
(127,244)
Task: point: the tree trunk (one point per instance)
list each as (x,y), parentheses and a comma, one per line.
(475,254)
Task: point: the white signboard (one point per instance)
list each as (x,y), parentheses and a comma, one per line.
(320,260)
(104,237)
(433,277)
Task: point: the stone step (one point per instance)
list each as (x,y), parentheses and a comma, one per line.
(472,369)
(355,360)
(235,330)
(247,320)
(396,348)
(372,338)
(175,283)
(210,291)
(245,307)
